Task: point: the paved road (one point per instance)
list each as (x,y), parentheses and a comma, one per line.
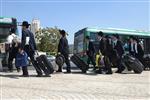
(75,86)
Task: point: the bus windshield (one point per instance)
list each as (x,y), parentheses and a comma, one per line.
(5,25)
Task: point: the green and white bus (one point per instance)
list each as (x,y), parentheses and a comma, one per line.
(80,45)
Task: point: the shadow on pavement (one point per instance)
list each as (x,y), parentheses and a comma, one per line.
(10,76)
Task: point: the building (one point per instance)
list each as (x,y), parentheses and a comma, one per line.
(35,25)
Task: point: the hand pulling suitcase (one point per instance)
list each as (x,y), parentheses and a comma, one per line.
(133,63)
(79,63)
(44,64)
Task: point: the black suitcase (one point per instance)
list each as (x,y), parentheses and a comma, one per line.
(44,64)
(133,63)
(79,63)
(147,62)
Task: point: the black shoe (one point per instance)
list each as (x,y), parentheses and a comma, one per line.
(18,70)
(118,71)
(47,75)
(109,73)
(83,71)
(10,70)
(59,71)
(24,76)
(38,75)
(68,71)
(98,71)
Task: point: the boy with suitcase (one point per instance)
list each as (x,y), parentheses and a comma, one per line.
(22,61)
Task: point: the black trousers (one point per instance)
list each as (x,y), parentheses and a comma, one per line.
(91,58)
(119,64)
(25,70)
(107,62)
(68,68)
(12,55)
(30,53)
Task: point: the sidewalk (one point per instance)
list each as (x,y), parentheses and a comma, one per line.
(75,86)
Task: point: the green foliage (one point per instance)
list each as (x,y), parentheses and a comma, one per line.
(48,39)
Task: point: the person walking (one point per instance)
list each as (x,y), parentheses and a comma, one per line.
(63,49)
(29,46)
(13,49)
(138,50)
(117,45)
(105,50)
(131,46)
(90,52)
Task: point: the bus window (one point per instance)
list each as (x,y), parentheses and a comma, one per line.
(78,43)
(93,36)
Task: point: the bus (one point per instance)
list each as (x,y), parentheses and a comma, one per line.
(80,45)
(6,23)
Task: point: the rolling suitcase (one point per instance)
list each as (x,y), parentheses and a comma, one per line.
(147,62)
(79,63)
(44,64)
(133,63)
(47,64)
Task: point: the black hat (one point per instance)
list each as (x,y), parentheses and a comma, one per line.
(25,23)
(100,33)
(63,32)
(116,35)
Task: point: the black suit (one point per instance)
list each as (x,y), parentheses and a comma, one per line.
(101,46)
(120,51)
(91,53)
(119,48)
(13,50)
(63,48)
(131,49)
(105,48)
(30,49)
(140,53)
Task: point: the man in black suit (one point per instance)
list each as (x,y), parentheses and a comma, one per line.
(29,46)
(131,46)
(105,49)
(63,48)
(138,50)
(117,45)
(90,52)
(13,49)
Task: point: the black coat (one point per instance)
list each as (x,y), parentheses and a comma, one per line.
(119,48)
(91,49)
(130,51)
(101,46)
(105,47)
(32,44)
(63,46)
(140,52)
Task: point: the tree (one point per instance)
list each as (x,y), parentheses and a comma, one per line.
(48,39)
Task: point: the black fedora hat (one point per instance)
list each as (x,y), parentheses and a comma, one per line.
(25,23)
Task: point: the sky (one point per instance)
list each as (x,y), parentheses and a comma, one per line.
(73,15)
